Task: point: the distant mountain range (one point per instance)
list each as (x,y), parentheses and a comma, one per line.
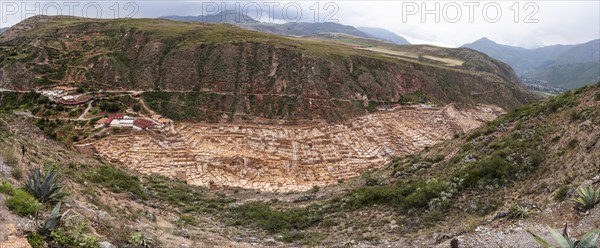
(3,29)
(293,29)
(566,66)
(233,17)
(385,35)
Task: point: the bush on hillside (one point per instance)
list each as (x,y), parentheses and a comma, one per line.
(19,201)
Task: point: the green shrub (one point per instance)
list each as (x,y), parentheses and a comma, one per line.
(509,160)
(491,170)
(36,240)
(561,193)
(21,203)
(74,237)
(6,188)
(175,192)
(111,107)
(402,195)
(261,215)
(136,107)
(187,220)
(438,158)
(474,135)
(116,180)
(139,240)
(45,186)
(559,102)
(61,237)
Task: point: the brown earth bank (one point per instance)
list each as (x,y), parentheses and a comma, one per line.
(287,157)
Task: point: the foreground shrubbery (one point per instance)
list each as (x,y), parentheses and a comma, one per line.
(19,201)
(402,195)
(263,216)
(564,240)
(115,180)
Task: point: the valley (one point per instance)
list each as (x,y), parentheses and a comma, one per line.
(287,157)
(146,133)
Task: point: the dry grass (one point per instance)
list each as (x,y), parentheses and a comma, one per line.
(447,61)
(10,158)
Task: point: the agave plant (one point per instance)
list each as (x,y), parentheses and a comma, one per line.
(138,240)
(519,211)
(564,241)
(46,187)
(53,220)
(588,197)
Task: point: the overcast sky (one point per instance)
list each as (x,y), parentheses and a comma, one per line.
(446,23)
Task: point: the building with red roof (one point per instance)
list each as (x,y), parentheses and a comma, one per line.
(113,117)
(142,124)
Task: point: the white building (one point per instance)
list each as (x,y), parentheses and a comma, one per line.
(121,123)
(126,123)
(68,98)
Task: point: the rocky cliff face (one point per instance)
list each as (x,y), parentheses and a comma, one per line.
(248,73)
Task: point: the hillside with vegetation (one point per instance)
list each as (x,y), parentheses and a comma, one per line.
(533,167)
(218,72)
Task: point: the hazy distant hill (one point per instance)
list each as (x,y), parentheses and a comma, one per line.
(305,28)
(291,29)
(567,66)
(222,17)
(3,29)
(384,34)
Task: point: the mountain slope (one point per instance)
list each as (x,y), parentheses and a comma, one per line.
(233,17)
(384,34)
(462,189)
(567,66)
(247,74)
(532,157)
(306,28)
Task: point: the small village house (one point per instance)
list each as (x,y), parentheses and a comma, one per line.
(142,124)
(112,118)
